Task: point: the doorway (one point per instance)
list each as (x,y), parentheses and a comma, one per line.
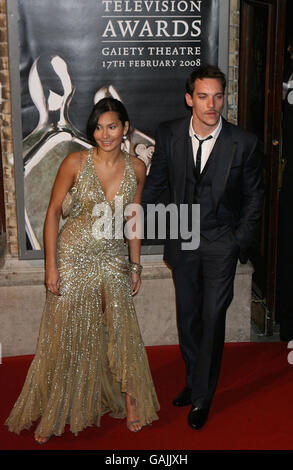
(284,299)
(260,111)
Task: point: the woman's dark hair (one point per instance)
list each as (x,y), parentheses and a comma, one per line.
(205,71)
(101,107)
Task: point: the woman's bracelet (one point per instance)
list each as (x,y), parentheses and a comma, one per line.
(135,268)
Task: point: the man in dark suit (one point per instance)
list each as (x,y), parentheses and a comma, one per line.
(206,160)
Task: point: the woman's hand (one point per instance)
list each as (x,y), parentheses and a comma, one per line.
(135,283)
(53,280)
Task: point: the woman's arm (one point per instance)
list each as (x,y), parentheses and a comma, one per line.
(65,178)
(134,243)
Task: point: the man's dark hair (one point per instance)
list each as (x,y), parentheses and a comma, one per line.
(205,71)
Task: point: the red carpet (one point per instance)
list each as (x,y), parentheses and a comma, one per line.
(252,409)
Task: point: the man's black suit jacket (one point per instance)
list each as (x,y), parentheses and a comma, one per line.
(237,183)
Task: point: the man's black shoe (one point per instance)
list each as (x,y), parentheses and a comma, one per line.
(184,398)
(197,417)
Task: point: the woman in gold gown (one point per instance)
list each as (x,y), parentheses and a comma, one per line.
(90,357)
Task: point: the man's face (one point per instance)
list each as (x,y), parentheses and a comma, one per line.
(207,103)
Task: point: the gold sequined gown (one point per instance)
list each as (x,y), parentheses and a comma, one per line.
(88,356)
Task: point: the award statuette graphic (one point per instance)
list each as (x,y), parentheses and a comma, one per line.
(55,137)
(50,142)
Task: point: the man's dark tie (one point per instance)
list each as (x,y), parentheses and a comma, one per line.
(198,156)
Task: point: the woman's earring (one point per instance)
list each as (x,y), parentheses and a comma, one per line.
(124,137)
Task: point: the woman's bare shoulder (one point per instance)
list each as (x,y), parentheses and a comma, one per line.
(74,159)
(138,165)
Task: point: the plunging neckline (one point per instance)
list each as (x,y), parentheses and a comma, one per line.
(98,179)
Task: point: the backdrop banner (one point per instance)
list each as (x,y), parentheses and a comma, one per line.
(74,53)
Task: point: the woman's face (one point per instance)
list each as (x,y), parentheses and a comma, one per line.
(109,131)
